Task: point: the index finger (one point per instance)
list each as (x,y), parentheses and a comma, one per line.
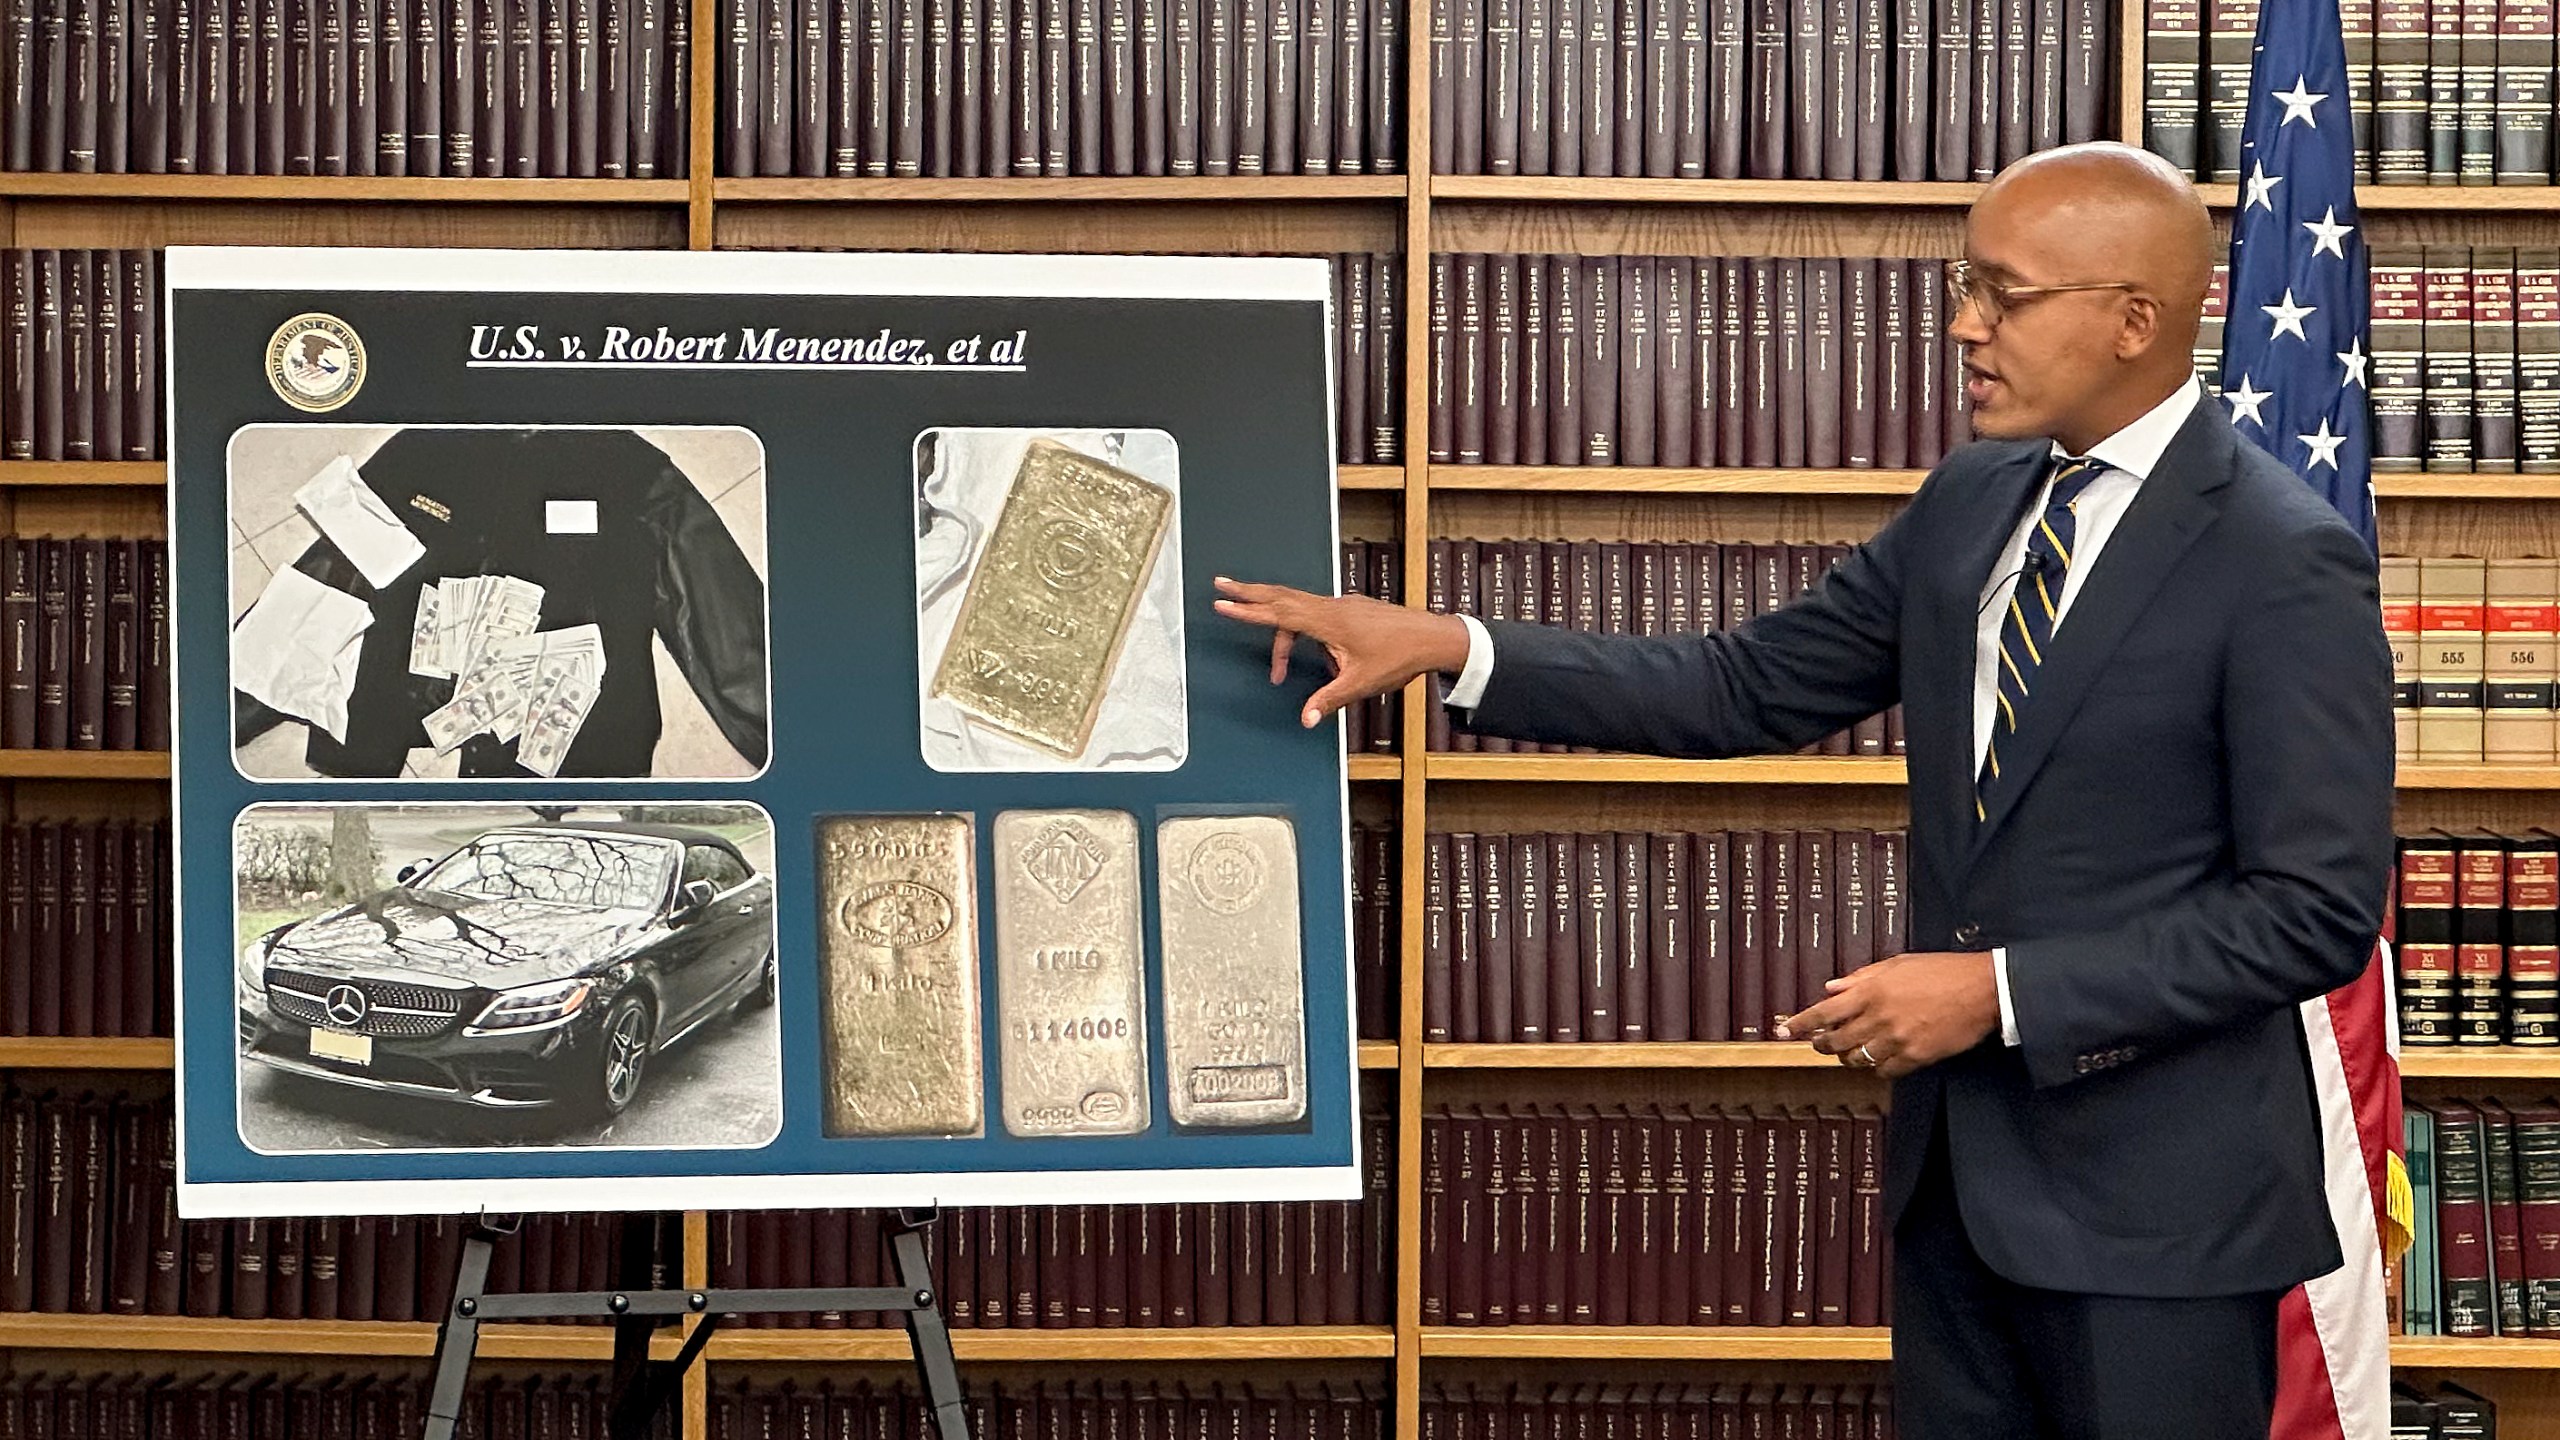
(1256,593)
(1830,1014)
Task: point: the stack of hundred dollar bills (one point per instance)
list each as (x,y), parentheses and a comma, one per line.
(511,681)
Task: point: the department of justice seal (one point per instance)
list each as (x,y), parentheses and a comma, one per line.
(315,362)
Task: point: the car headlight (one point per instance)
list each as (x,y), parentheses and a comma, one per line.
(529,1006)
(253,965)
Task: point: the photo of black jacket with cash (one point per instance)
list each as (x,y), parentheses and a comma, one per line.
(650,559)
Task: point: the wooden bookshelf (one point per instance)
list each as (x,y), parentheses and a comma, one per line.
(1377,767)
(1263,1342)
(1654,1055)
(1377,1054)
(1667,480)
(1874,194)
(150,473)
(1632,1342)
(339,189)
(1061,189)
(1645,770)
(344,1338)
(2429,199)
(39,1052)
(1368,477)
(2478,1062)
(84,764)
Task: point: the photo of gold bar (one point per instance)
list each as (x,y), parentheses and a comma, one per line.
(1050,601)
(1234,997)
(1070,984)
(898,975)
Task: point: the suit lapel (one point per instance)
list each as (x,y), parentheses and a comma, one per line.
(2167,514)
(1939,708)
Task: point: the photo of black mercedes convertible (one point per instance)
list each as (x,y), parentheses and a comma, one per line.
(557,963)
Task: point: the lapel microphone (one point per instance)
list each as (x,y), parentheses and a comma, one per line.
(2034,564)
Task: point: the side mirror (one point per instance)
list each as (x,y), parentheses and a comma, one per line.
(413,870)
(692,897)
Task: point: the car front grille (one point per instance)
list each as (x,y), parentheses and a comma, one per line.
(393,1011)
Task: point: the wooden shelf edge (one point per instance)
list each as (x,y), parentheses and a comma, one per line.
(1767,770)
(1668,1055)
(84,764)
(1652,480)
(2480,1062)
(1666,480)
(1607,190)
(1376,767)
(45,1052)
(2405,486)
(326,189)
(1612,1342)
(2374,199)
(2495,1353)
(1627,1342)
(1079,188)
(2479,777)
(1272,1342)
(1377,1054)
(151,473)
(1368,477)
(372,1338)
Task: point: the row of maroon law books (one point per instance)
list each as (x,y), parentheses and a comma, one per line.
(39,1405)
(1377,934)
(80,370)
(1070,87)
(527,88)
(1654,1215)
(84,655)
(2494,1188)
(2475,926)
(1622,587)
(1768,89)
(1368,365)
(1670,1410)
(85,928)
(1054,1267)
(89,1225)
(1344,1409)
(1559,937)
(1692,360)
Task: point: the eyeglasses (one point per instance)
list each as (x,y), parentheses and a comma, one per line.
(1994,299)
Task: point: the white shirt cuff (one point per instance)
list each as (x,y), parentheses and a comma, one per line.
(2000,980)
(1468,688)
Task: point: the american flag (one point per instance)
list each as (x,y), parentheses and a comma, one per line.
(2295,350)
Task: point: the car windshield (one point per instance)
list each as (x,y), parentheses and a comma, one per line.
(595,871)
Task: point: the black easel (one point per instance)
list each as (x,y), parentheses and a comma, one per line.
(641,1386)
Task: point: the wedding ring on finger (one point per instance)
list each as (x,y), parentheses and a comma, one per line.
(1867,1057)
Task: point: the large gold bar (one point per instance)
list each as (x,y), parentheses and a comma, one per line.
(1049,605)
(1070,979)
(898,975)
(1234,998)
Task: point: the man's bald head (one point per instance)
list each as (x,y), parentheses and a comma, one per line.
(2117,210)
(2077,364)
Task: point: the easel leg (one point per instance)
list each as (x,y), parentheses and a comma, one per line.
(639,1386)
(458,1333)
(927,1336)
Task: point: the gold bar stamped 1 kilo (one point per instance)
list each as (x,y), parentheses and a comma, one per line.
(898,975)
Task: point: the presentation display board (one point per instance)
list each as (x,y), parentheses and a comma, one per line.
(708,730)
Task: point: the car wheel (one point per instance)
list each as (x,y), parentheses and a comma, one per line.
(622,1056)
(768,984)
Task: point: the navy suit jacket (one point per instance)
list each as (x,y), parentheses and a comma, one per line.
(2194,836)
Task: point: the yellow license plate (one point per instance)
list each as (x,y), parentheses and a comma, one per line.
(339,1045)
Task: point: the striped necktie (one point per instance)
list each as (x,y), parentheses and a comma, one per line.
(2034,607)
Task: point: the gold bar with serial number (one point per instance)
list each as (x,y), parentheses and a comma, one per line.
(898,975)
(1234,998)
(1050,602)
(1070,982)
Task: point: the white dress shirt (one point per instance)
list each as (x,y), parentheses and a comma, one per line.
(2130,455)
